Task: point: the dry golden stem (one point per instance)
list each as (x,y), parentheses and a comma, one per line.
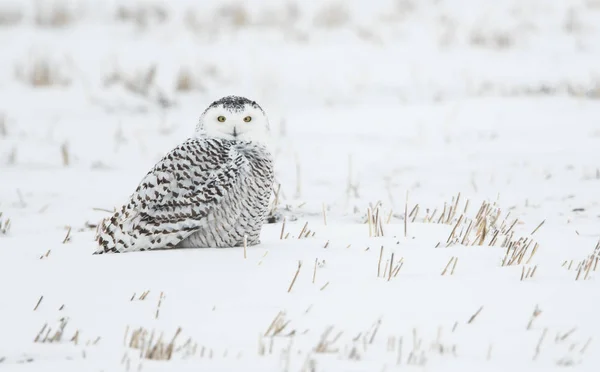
(533,271)
(245,247)
(535,247)
(303,229)
(507,240)
(315,271)
(372,338)
(432,215)
(389,217)
(103,210)
(448,265)
(450,214)
(426,218)
(379,263)
(477,238)
(415,208)
(494,238)
(578,273)
(567,334)
(441,218)
(464,239)
(276,201)
(585,346)
(454,229)
(511,226)
(64,150)
(524,249)
(523,273)
(391,267)
(272,325)
(295,276)
(397,270)
(158,306)
(282,229)
(455,206)
(587,271)
(387,263)
(324,286)
(536,313)
(483,231)
(539,344)
(505,256)
(504,221)
(536,229)
(263,256)
(326,244)
(39,335)
(175,336)
(324,214)
(381,227)
(68,236)
(480,211)
(517,254)
(38,303)
(454,266)
(75,337)
(472,318)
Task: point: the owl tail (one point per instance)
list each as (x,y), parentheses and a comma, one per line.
(108,236)
(112,235)
(123,232)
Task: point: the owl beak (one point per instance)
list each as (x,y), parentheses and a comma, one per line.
(235,132)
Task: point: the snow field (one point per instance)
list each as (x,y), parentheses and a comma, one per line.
(496,103)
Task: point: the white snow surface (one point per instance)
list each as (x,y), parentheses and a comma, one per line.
(387,105)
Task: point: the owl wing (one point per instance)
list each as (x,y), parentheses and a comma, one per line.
(174,198)
(189,181)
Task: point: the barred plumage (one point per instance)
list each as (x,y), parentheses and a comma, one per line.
(210,191)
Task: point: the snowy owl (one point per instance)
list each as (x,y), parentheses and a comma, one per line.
(210,191)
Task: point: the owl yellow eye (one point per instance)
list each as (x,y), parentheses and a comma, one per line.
(247,119)
(221,118)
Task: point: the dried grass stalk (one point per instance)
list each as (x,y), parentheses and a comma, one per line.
(295,276)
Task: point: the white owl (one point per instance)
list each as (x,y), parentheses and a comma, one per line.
(210,191)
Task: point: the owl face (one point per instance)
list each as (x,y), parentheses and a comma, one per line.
(235,118)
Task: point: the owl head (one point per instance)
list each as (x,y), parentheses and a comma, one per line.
(234,118)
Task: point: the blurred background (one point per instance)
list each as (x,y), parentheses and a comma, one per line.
(367,99)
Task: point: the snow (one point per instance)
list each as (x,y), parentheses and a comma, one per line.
(388,104)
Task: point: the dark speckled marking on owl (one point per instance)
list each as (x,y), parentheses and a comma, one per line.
(234,103)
